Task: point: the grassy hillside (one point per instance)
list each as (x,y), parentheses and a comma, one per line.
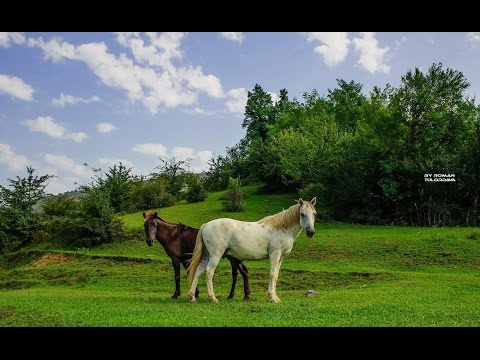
(363,276)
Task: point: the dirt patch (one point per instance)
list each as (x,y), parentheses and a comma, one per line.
(53,258)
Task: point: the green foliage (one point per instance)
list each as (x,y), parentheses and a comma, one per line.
(175,173)
(196,190)
(60,205)
(369,153)
(151,194)
(18,220)
(233,196)
(93,223)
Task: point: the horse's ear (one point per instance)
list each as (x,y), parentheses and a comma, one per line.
(314,201)
(300,201)
(155,215)
(144,216)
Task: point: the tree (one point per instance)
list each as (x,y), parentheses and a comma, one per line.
(18,220)
(259,113)
(346,103)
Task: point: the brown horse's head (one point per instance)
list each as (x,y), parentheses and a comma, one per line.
(150,226)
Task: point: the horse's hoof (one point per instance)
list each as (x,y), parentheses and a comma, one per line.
(246,298)
(214,300)
(174,296)
(229,297)
(193,300)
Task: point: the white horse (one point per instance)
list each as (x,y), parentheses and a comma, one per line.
(271,237)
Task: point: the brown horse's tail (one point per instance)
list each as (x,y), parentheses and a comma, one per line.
(198,253)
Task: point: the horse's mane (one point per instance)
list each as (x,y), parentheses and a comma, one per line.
(284,218)
(152,215)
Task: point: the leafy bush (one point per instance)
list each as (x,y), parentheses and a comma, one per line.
(92,222)
(151,194)
(196,190)
(234,196)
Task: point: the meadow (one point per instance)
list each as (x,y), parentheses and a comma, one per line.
(360,276)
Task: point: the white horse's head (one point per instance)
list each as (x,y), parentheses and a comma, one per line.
(307,215)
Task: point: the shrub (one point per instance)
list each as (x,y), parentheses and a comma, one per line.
(234,196)
(151,194)
(196,190)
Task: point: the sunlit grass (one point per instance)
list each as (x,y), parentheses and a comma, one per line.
(362,276)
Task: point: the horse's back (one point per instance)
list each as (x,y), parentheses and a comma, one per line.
(241,239)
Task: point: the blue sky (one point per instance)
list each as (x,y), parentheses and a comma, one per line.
(99,98)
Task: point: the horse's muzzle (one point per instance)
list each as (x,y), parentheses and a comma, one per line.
(150,243)
(310,233)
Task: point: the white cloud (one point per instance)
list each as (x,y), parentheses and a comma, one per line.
(150,149)
(57,186)
(233,36)
(372,56)
(110,162)
(47,125)
(199,158)
(333,48)
(150,77)
(62,163)
(54,49)
(7,38)
(64,100)
(13,160)
(274,96)
(15,86)
(238,100)
(198,111)
(182,153)
(473,38)
(104,127)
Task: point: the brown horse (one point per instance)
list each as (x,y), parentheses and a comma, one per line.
(178,240)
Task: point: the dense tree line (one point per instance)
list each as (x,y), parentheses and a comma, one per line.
(365,156)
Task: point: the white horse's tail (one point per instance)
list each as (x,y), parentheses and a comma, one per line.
(198,253)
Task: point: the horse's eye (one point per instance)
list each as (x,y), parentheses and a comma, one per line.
(303,215)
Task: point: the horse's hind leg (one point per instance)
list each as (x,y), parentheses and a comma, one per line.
(234,278)
(200,269)
(212,264)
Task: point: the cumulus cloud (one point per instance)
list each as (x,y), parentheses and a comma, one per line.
(64,100)
(104,127)
(47,125)
(333,46)
(64,164)
(152,77)
(233,36)
(14,86)
(237,100)
(372,57)
(473,38)
(150,149)
(7,38)
(199,159)
(13,160)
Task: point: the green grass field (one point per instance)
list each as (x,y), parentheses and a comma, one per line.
(363,276)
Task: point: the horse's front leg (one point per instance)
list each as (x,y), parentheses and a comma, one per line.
(176,270)
(275,263)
